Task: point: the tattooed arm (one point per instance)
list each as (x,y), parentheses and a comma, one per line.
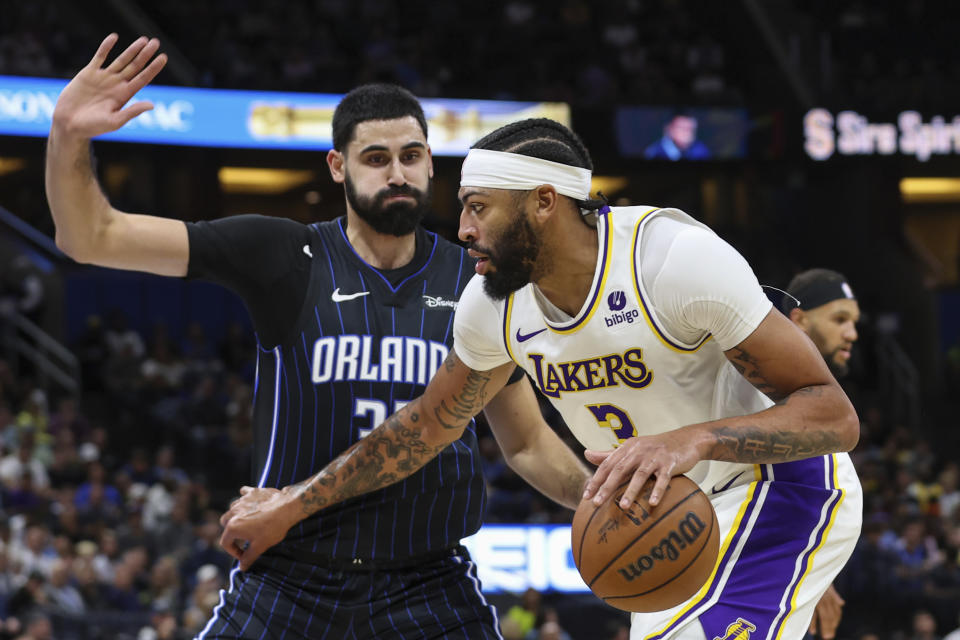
(406,441)
(812,416)
(532,448)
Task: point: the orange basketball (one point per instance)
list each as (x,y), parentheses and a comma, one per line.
(647,558)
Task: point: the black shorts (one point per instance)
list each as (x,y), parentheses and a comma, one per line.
(282,598)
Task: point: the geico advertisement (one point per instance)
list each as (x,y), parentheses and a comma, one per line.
(515,557)
(227,118)
(852,134)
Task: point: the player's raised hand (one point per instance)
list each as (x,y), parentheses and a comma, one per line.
(637,459)
(254,523)
(93,102)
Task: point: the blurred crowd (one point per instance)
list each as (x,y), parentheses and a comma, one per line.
(109,522)
(580,52)
(884,55)
(109,525)
(888,56)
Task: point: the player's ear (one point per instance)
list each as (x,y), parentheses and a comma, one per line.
(799,318)
(430,161)
(547,201)
(335,162)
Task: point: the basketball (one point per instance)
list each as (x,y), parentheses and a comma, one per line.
(647,558)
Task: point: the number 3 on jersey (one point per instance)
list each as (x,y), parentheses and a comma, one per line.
(376,409)
(613,417)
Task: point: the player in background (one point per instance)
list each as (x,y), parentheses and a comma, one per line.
(821,302)
(352,317)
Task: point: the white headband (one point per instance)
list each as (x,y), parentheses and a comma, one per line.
(502,170)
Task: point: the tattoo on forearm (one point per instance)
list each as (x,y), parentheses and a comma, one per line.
(450,362)
(382,458)
(466,404)
(748,367)
(813,392)
(752,444)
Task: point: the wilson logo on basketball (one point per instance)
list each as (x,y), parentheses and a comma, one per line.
(668,549)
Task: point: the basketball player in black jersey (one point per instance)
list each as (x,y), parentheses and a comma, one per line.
(353,317)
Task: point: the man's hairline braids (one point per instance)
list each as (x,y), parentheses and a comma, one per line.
(587,207)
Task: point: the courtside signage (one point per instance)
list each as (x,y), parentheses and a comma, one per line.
(257,119)
(515,557)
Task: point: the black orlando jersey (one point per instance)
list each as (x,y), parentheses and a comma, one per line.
(342,345)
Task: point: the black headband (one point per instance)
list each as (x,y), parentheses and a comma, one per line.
(817,292)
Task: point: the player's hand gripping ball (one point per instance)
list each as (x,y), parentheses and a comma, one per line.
(647,558)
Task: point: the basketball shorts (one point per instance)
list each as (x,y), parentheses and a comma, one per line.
(282,598)
(785,534)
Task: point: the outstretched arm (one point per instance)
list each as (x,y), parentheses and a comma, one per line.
(812,417)
(406,441)
(88,228)
(532,448)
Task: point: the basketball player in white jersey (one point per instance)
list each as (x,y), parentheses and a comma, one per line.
(653,339)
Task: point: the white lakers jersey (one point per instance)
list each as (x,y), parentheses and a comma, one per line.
(614,371)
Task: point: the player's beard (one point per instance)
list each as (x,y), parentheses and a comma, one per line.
(838,369)
(396,218)
(513,256)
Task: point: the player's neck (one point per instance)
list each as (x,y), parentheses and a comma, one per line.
(379,250)
(568,261)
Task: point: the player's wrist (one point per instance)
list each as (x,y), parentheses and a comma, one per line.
(292,508)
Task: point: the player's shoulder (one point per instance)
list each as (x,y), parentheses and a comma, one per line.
(650,213)
(326,228)
(666,223)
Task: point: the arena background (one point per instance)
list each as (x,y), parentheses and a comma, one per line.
(834,131)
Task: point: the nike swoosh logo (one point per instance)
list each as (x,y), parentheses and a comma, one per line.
(524,338)
(336,296)
(726,486)
(306,250)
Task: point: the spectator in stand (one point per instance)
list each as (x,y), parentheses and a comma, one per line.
(60,593)
(91,589)
(34,553)
(121,339)
(163,592)
(949,480)
(68,418)
(122,594)
(917,555)
(37,627)
(29,596)
(924,626)
(526,615)
(175,536)
(23,461)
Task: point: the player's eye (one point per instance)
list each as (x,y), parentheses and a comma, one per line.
(411,156)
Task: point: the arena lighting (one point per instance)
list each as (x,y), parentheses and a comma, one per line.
(609,185)
(930,190)
(262,181)
(11,165)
